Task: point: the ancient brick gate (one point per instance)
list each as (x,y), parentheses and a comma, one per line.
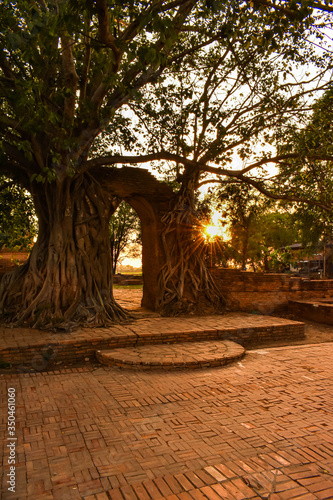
(151,200)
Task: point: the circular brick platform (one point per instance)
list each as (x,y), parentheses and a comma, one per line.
(167,356)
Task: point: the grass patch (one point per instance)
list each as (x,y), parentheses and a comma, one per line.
(128,287)
(130,273)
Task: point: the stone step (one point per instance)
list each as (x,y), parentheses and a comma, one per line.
(319,310)
(37,348)
(170,356)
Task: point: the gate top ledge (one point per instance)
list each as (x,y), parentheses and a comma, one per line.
(126,182)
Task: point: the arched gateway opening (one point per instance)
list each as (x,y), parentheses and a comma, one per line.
(151,200)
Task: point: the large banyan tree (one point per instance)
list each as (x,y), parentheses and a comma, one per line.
(71,71)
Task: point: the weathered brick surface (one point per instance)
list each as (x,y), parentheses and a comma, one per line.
(261,428)
(315,310)
(10,259)
(266,292)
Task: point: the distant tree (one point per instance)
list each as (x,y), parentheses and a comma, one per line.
(243,205)
(312,174)
(272,235)
(18,223)
(259,228)
(124,230)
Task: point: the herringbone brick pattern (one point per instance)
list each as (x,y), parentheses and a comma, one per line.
(261,428)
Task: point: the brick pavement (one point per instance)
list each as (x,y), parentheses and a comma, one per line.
(129,298)
(260,428)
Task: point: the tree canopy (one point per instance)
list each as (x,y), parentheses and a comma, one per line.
(312,172)
(227,110)
(67,69)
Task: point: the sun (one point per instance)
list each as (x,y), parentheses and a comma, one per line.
(211,231)
(214,229)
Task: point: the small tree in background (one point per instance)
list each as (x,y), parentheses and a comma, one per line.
(259,228)
(312,173)
(272,234)
(243,204)
(125,230)
(18,223)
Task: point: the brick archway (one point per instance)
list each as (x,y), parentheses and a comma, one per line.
(151,200)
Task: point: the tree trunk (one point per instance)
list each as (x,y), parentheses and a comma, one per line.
(67,280)
(115,252)
(185,284)
(245,244)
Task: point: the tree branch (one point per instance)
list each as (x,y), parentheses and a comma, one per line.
(116,159)
(268,159)
(239,179)
(104,32)
(8,122)
(16,157)
(86,65)
(321,6)
(11,168)
(274,196)
(136,77)
(292,14)
(7,71)
(71,78)
(238,175)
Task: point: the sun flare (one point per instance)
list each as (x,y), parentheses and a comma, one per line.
(211,231)
(214,229)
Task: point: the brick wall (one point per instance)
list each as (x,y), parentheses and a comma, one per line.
(9,260)
(320,312)
(267,293)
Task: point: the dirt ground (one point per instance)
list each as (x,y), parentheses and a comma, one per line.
(315,333)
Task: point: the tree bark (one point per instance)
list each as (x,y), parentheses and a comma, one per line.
(67,280)
(245,244)
(185,283)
